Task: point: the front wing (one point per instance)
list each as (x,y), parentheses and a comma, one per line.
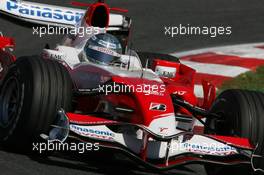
(150,149)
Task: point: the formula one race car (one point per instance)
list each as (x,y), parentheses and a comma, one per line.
(92,90)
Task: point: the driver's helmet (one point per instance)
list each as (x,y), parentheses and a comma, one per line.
(103,49)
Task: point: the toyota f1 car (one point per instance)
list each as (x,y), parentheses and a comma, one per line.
(149,113)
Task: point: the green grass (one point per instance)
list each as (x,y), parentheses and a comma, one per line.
(248,80)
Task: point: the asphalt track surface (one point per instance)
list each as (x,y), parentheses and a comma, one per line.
(149,18)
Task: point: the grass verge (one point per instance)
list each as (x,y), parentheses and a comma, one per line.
(248,80)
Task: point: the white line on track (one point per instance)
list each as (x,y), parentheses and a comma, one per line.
(216,69)
(241,50)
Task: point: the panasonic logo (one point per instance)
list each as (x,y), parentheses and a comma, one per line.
(35,11)
(92,131)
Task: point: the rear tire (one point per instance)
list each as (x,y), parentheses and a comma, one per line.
(31,93)
(242,114)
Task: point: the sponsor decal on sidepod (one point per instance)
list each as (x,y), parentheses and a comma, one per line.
(36,11)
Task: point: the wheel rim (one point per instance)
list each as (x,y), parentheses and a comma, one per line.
(10,97)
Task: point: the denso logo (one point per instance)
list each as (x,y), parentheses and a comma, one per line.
(35,11)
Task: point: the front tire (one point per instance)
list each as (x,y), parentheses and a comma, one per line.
(242,115)
(31,93)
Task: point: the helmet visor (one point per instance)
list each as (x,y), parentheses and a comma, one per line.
(101,55)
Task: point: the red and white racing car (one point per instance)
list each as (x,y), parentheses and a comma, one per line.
(94,89)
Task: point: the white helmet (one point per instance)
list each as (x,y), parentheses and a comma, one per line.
(103,48)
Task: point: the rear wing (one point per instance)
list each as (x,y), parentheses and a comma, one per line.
(44,14)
